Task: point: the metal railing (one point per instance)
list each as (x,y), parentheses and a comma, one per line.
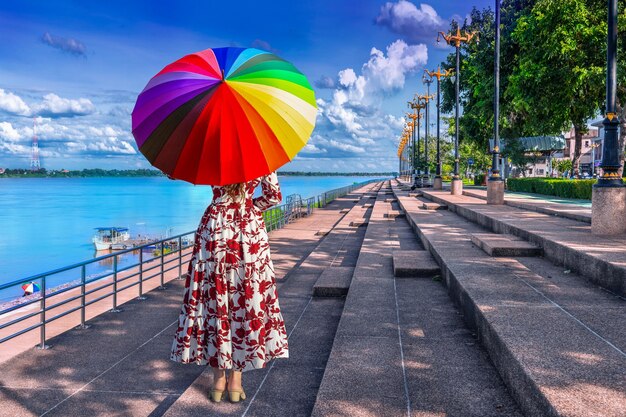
(168,254)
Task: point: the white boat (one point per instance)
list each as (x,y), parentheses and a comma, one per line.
(111,238)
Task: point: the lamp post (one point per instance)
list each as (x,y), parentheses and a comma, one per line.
(495,185)
(456,40)
(416,116)
(437,185)
(425,99)
(607,200)
(409,152)
(411,125)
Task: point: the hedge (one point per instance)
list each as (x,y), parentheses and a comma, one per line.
(479,179)
(559,187)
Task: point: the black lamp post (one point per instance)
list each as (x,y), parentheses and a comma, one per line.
(456,40)
(425,100)
(610,151)
(428,81)
(438,75)
(495,162)
(416,116)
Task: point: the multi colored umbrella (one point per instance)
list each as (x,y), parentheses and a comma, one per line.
(224,115)
(30,288)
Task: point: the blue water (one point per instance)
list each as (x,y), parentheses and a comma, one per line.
(47,223)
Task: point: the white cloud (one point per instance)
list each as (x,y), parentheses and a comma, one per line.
(311,148)
(13,104)
(351,124)
(53,105)
(8,132)
(404,18)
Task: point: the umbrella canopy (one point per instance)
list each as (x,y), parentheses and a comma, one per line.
(224,115)
(30,288)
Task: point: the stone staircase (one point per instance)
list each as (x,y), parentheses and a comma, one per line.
(557,340)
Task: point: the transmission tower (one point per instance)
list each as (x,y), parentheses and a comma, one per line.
(35,164)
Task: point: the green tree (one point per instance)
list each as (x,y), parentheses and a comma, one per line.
(516,154)
(558,82)
(477,74)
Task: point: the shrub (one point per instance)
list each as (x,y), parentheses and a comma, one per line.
(479,179)
(558,187)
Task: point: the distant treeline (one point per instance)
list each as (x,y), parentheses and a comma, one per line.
(335,174)
(97,172)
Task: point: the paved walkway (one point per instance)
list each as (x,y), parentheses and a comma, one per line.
(401,348)
(120,365)
(579,210)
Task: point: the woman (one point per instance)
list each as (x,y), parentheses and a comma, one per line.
(230,318)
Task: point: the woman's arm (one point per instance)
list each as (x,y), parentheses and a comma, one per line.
(271,192)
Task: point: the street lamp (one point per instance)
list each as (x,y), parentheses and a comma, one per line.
(438,183)
(411,125)
(607,201)
(425,99)
(416,116)
(495,185)
(456,40)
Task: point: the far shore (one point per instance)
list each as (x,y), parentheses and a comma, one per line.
(97,172)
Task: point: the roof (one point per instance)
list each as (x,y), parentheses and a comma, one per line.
(538,143)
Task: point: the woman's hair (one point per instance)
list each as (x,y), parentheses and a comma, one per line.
(235,190)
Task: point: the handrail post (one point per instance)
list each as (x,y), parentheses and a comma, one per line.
(115,309)
(162,286)
(180,258)
(83,278)
(42,317)
(141,296)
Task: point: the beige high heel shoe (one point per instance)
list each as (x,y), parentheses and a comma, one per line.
(236,395)
(216,395)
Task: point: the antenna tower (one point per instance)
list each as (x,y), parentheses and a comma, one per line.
(35,164)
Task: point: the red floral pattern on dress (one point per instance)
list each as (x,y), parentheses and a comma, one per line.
(230,318)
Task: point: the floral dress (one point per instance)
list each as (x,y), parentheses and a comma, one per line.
(230,318)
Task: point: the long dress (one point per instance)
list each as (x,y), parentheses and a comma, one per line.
(230,318)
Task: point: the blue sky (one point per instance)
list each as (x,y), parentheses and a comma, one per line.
(77,68)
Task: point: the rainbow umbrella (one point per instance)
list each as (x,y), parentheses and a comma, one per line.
(224,115)
(30,288)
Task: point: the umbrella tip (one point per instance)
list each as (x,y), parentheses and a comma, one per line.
(222,74)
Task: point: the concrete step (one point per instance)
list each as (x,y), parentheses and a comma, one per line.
(564,241)
(434,206)
(391,355)
(556,341)
(359,223)
(394,214)
(333,282)
(414,264)
(504,245)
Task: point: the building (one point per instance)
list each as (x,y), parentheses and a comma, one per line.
(589,149)
(543,149)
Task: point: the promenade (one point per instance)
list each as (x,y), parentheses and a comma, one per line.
(396,304)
